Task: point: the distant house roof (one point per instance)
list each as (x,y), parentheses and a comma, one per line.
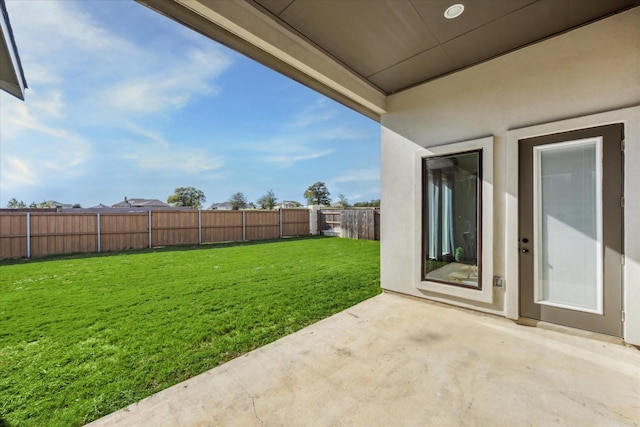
(221,206)
(25,210)
(11,75)
(108,210)
(141,203)
(56,204)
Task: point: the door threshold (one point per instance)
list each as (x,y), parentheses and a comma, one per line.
(525,321)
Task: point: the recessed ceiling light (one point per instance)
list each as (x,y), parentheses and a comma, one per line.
(454,11)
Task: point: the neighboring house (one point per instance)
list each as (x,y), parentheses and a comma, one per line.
(289,204)
(25,210)
(59,205)
(12,78)
(224,206)
(102,209)
(46,206)
(510,140)
(141,203)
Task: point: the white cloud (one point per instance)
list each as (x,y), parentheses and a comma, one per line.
(48,27)
(288,160)
(28,136)
(319,111)
(38,74)
(320,121)
(154,157)
(123,74)
(49,105)
(47,157)
(170,83)
(32,120)
(160,155)
(148,133)
(15,173)
(90,81)
(286,151)
(307,136)
(357,184)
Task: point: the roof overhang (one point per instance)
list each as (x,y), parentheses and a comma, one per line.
(242,27)
(359,52)
(11,75)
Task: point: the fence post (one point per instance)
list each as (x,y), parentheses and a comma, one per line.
(199,226)
(28,235)
(356,224)
(281,223)
(244,227)
(98,219)
(150,243)
(314,224)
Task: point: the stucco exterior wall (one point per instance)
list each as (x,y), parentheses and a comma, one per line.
(585,72)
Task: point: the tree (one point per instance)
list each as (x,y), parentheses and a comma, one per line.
(342,201)
(187,196)
(318,194)
(238,201)
(268,201)
(15,204)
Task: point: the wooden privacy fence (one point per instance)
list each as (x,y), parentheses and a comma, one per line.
(38,234)
(350,223)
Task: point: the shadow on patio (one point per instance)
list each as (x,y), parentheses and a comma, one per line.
(392,360)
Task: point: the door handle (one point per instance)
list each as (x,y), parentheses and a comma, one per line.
(525,251)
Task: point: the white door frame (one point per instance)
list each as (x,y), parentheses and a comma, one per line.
(630,117)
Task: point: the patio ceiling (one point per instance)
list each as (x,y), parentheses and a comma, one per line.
(11,76)
(359,51)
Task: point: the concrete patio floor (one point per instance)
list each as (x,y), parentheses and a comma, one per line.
(396,361)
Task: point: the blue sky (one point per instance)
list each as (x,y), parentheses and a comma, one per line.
(125,102)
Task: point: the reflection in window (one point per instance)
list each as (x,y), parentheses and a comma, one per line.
(451,206)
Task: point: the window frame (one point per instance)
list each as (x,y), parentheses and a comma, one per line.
(443,291)
(425,219)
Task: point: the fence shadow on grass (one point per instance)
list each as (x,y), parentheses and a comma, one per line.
(176,248)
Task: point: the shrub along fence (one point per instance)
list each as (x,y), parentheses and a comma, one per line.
(38,234)
(355,223)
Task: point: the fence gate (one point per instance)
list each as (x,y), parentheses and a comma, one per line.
(350,223)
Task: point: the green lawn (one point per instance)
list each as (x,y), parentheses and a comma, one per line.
(83,336)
